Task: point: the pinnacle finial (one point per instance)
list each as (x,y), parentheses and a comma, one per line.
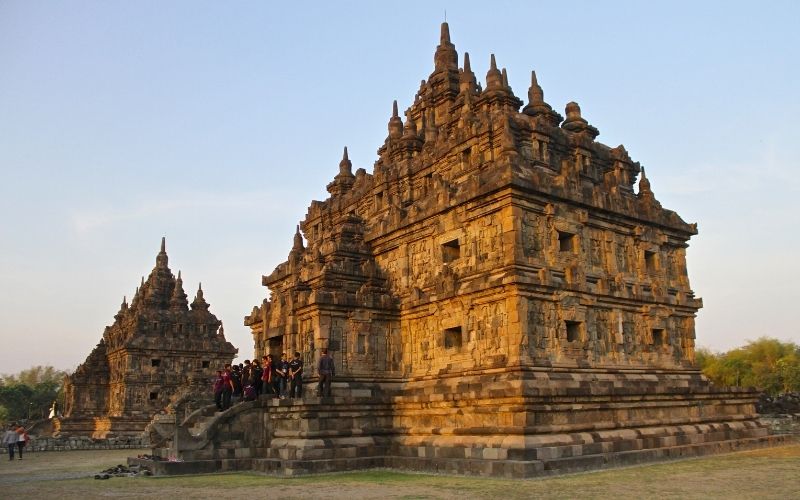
(345,166)
(298,240)
(200,286)
(644,184)
(395,123)
(577,123)
(467,66)
(445,57)
(494,79)
(505,78)
(179,274)
(535,93)
(410,128)
(161,258)
(536,105)
(445,33)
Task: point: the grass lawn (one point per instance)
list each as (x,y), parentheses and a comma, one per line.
(762,474)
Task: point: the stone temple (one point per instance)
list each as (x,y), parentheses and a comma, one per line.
(498,297)
(157,345)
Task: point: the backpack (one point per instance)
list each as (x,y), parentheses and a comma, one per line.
(249,393)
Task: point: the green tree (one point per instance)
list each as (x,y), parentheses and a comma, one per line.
(30,392)
(768,364)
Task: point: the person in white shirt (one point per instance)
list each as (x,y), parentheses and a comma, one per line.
(10,439)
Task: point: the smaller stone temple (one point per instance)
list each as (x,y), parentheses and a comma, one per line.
(158,344)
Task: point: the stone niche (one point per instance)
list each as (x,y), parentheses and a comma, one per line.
(499,297)
(157,345)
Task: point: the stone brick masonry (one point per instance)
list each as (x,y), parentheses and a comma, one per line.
(498,300)
(157,345)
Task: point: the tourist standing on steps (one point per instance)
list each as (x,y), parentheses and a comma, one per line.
(326,372)
(236,378)
(219,384)
(257,374)
(266,376)
(227,388)
(10,440)
(296,376)
(282,373)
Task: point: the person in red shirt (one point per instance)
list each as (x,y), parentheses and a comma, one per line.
(227,387)
(266,377)
(218,384)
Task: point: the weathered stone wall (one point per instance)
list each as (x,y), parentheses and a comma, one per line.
(499,264)
(44,443)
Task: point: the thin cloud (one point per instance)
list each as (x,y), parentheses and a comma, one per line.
(87,221)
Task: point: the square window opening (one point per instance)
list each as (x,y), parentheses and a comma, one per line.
(362,344)
(206,364)
(451,251)
(566,241)
(573,331)
(650,261)
(658,336)
(153,396)
(155,362)
(453,338)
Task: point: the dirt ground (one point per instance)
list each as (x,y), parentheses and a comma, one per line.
(763,474)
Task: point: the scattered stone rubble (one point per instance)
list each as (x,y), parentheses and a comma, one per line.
(123,471)
(783,403)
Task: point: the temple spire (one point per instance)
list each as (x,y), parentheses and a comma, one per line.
(178,299)
(536,105)
(162,259)
(410,129)
(467,81)
(644,185)
(395,123)
(345,166)
(199,301)
(575,122)
(298,240)
(446,57)
(494,79)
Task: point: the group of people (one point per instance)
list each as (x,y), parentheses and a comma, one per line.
(280,378)
(15,438)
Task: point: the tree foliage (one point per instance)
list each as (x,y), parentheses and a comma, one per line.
(768,364)
(29,392)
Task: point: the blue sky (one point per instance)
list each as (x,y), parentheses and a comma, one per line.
(216,123)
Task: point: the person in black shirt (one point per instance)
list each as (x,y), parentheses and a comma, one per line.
(281,376)
(257,373)
(296,376)
(326,371)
